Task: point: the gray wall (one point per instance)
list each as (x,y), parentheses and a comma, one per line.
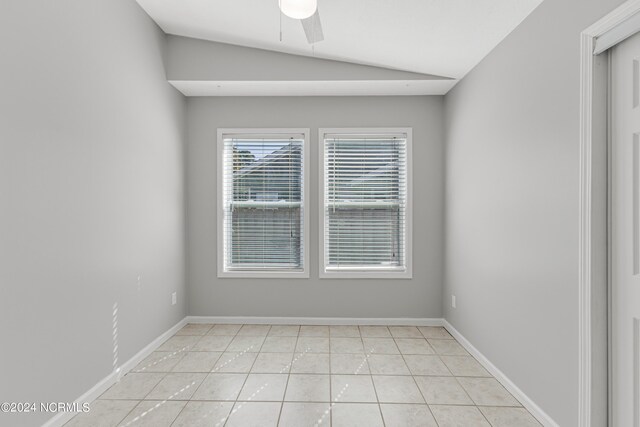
(91,195)
(419,297)
(192,59)
(512,204)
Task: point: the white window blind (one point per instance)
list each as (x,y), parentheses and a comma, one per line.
(263,202)
(365,202)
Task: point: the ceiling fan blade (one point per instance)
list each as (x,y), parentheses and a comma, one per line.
(313,28)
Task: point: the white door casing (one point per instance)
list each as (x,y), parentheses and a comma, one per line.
(592,410)
(625,232)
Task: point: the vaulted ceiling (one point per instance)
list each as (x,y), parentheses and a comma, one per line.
(439,37)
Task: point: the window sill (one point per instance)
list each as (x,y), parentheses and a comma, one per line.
(263,275)
(366,274)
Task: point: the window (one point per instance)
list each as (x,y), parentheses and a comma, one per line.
(262,206)
(366,203)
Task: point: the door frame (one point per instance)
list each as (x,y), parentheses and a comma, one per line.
(593,126)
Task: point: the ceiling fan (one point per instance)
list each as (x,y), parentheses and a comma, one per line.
(307,12)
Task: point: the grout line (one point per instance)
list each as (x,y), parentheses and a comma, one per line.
(152,364)
(214,365)
(194,334)
(483,415)
(333,401)
(123,418)
(233,408)
(432,414)
(185,405)
(156,384)
(373,384)
(161,402)
(465,390)
(284,394)
(414,379)
(421,393)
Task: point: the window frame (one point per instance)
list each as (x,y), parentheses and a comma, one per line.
(374,272)
(221,235)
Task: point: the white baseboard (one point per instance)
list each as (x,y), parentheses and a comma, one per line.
(382,321)
(102,385)
(529,404)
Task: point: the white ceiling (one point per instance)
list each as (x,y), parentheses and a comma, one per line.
(440,37)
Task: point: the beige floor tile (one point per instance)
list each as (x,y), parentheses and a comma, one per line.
(353,389)
(488,392)
(254,330)
(103,413)
(380,346)
(208,370)
(203,414)
(272,363)
(442,391)
(356,415)
(284,331)
(179,342)
(197,361)
(220,387)
(387,364)
(426,365)
(231,361)
(133,386)
(310,363)
(448,347)
(159,361)
(348,331)
(307,388)
(458,416)
(312,345)
(405,332)
(213,343)
(509,417)
(464,366)
(349,364)
(151,413)
(300,414)
(264,387)
(246,343)
(437,332)
(397,389)
(254,414)
(413,415)
(224,330)
(279,345)
(195,329)
(176,386)
(414,346)
(346,345)
(374,332)
(314,331)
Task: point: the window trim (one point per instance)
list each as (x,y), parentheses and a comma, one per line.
(375,272)
(253,132)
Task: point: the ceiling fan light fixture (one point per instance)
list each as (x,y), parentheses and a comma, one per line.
(298,9)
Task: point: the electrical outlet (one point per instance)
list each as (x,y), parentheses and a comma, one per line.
(174,299)
(139,282)
(453,301)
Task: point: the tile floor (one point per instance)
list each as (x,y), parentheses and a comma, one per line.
(263,375)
